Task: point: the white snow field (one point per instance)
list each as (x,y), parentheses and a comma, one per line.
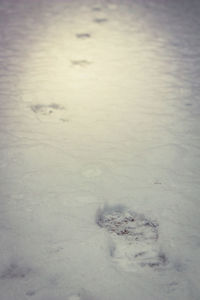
(99,150)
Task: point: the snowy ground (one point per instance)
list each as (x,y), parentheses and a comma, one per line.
(99,150)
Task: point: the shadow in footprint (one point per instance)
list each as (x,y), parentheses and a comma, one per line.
(30,293)
(80,62)
(96,9)
(134,237)
(100,20)
(13,271)
(46,109)
(122,222)
(83,36)
(49,112)
(162,260)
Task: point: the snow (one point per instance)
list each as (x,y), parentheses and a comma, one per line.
(99,125)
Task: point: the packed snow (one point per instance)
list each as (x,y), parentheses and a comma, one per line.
(99,150)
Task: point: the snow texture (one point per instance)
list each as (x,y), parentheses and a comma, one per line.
(99,150)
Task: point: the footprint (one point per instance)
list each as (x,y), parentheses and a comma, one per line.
(83,35)
(80,62)
(100,20)
(30,293)
(49,111)
(96,8)
(14,271)
(46,109)
(134,238)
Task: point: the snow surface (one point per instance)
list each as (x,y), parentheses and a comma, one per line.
(99,150)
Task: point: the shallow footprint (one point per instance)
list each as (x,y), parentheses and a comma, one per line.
(80,62)
(30,293)
(14,271)
(96,8)
(100,20)
(46,112)
(134,238)
(83,35)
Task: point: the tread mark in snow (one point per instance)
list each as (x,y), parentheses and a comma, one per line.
(135,238)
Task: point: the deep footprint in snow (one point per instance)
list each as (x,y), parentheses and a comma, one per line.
(134,238)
